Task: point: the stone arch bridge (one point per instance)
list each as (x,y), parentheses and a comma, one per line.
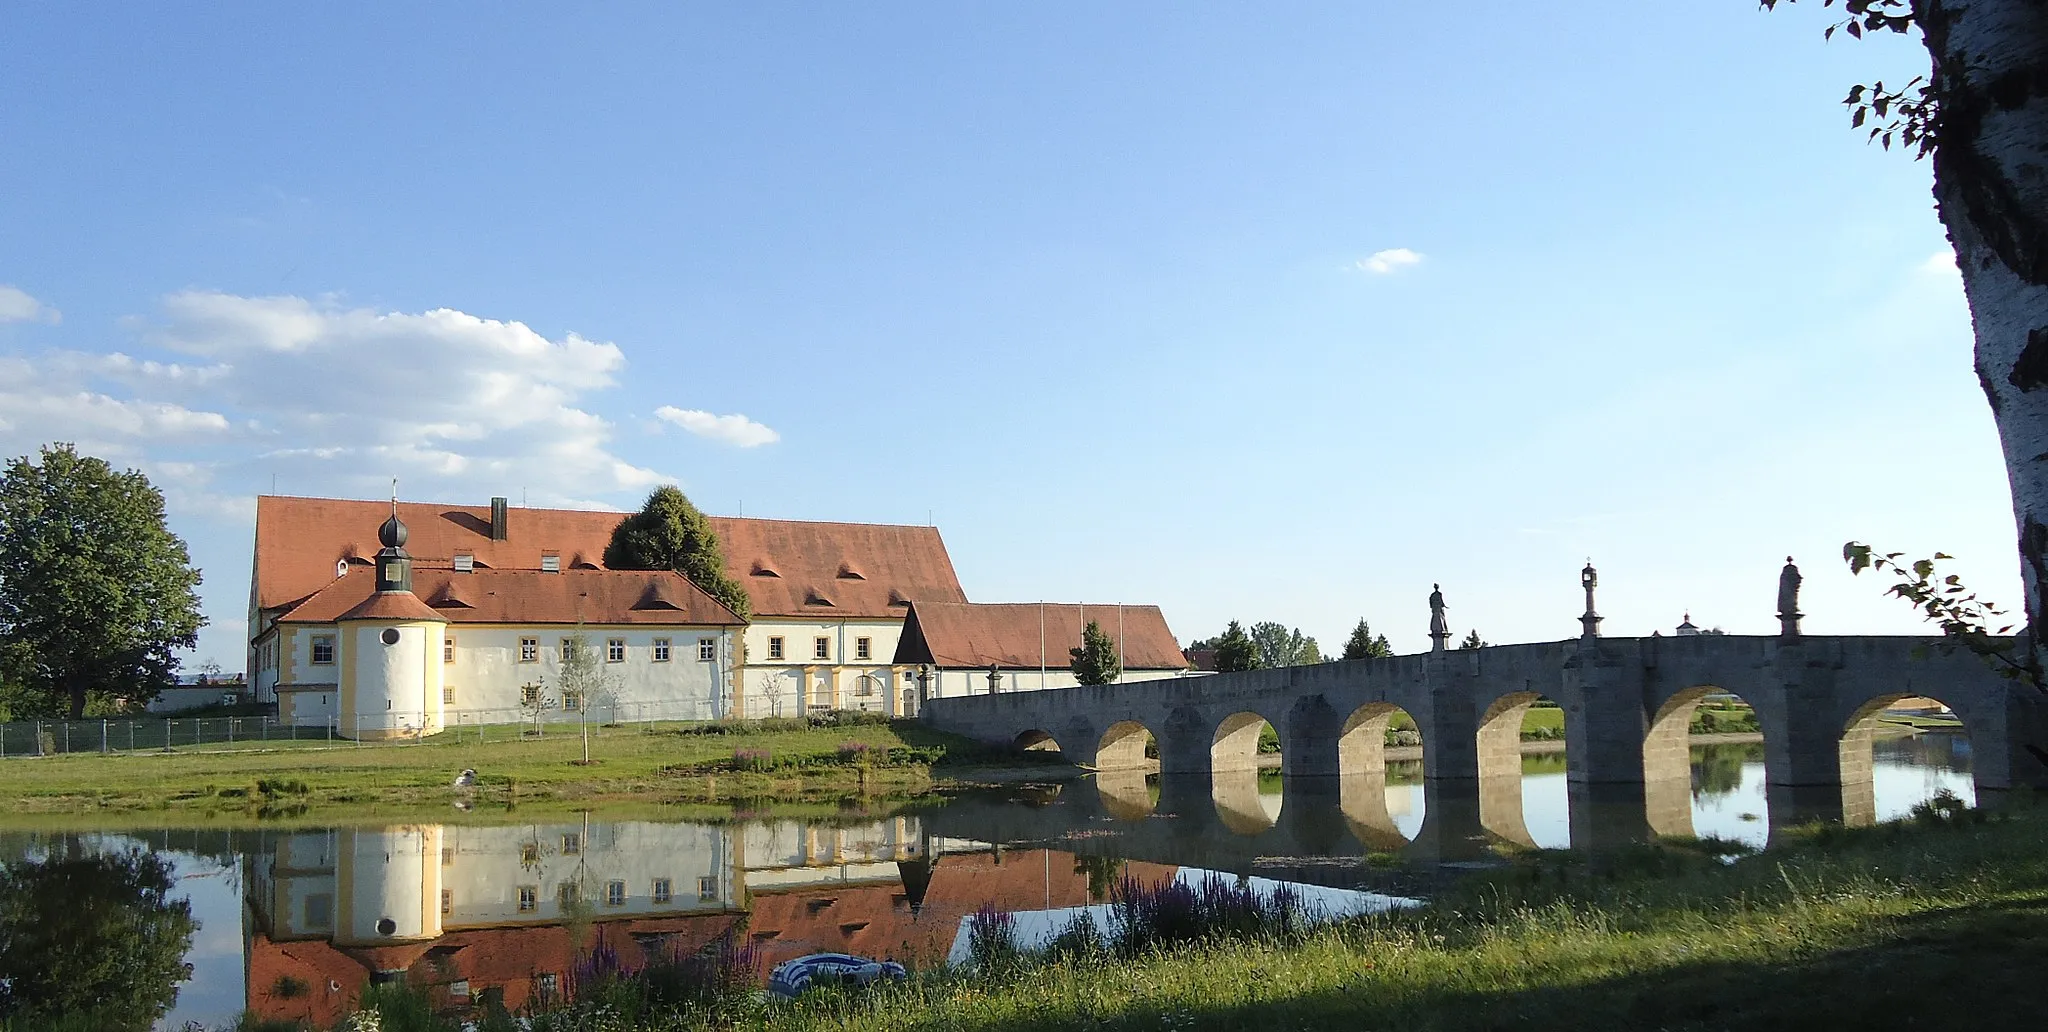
(1628,704)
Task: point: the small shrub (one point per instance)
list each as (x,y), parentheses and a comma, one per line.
(992,938)
(756,760)
(1945,810)
(855,753)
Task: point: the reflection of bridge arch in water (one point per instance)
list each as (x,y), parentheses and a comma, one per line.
(1667,760)
(1500,766)
(1234,773)
(1859,783)
(1361,754)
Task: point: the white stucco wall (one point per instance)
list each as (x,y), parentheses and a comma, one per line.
(387,876)
(483,684)
(950,683)
(773,685)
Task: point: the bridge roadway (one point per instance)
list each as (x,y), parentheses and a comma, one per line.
(1628,705)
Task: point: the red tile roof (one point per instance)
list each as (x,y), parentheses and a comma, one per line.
(520,597)
(789,568)
(975,635)
(390,605)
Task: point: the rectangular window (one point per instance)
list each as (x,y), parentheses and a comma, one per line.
(662,892)
(447,695)
(323,648)
(572,702)
(448,649)
(529,650)
(863,648)
(821,648)
(447,856)
(551,564)
(615,894)
(447,901)
(707,887)
(568,649)
(545,983)
(615,650)
(529,899)
(529,853)
(707,649)
(319,911)
(465,562)
(529,694)
(572,844)
(775,648)
(661,650)
(566,894)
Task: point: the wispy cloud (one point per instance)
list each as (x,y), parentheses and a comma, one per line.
(734,429)
(1389,261)
(16,305)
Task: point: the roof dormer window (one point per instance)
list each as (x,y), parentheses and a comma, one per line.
(465,562)
(550,563)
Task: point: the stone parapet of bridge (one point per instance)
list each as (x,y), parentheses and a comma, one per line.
(1627,702)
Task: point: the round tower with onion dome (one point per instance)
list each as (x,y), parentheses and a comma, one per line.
(390,676)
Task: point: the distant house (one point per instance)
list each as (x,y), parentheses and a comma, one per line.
(969,648)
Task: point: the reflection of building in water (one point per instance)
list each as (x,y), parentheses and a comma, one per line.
(504,913)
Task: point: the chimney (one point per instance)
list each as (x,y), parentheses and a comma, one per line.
(497,519)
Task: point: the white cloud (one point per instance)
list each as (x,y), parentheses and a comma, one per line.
(17,306)
(1389,261)
(334,400)
(734,429)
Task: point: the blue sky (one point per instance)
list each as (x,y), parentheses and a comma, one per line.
(1090,286)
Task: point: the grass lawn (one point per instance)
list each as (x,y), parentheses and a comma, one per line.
(1942,927)
(628,764)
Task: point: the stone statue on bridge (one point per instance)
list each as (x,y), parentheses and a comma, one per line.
(1439,624)
(1788,599)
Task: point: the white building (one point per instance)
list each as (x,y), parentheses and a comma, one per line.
(507,584)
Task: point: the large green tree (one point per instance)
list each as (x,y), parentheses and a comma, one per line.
(669,533)
(1364,645)
(92,938)
(1235,651)
(1281,646)
(96,594)
(1096,661)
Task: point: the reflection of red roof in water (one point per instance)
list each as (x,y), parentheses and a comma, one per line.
(874,920)
(318,983)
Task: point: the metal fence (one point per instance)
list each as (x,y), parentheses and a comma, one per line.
(49,737)
(555,716)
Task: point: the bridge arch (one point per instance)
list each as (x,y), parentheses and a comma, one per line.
(1860,742)
(1036,740)
(1670,778)
(1501,794)
(1366,774)
(1126,745)
(1235,750)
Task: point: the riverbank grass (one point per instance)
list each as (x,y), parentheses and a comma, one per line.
(845,756)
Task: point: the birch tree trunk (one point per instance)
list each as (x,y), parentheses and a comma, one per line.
(1990,75)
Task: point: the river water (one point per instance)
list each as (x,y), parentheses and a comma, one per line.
(290,923)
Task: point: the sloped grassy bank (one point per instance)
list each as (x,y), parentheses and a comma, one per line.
(1937,922)
(818,759)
